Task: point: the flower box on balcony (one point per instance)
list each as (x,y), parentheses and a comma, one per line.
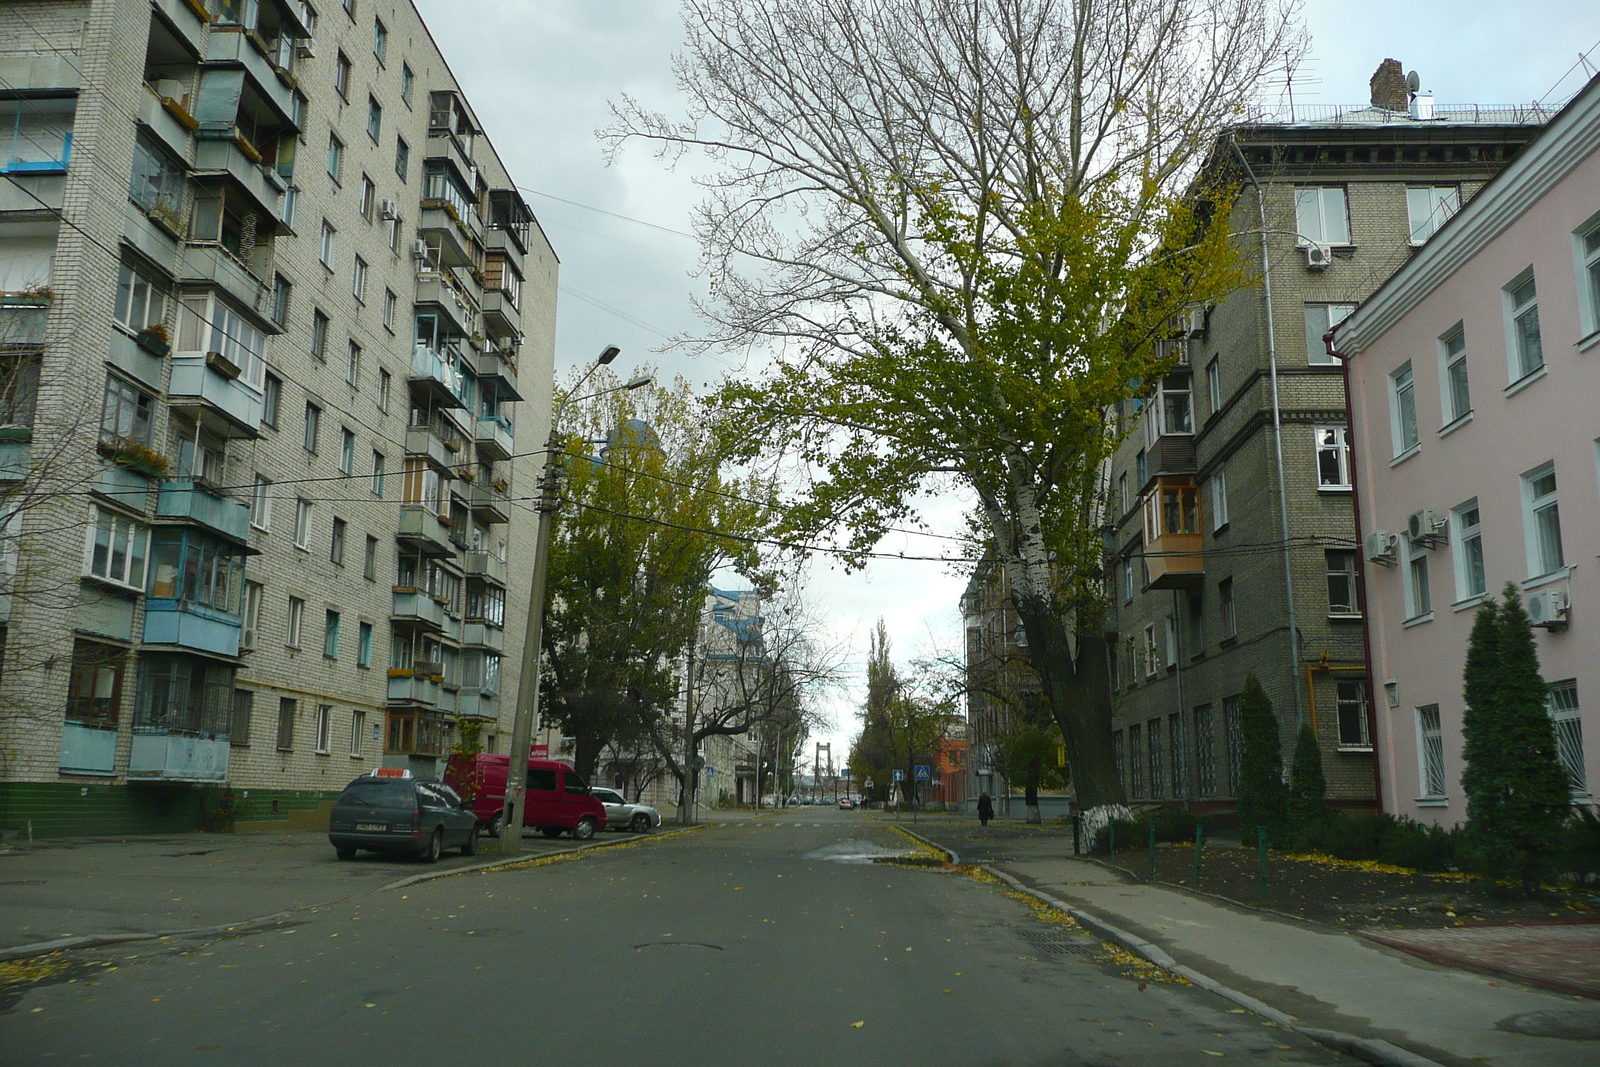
(138,457)
(155,343)
(223,365)
(199,8)
(181,113)
(400,672)
(12,435)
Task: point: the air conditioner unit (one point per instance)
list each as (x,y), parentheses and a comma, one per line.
(420,250)
(1548,609)
(388,209)
(1318,256)
(1423,527)
(1195,322)
(306,49)
(1380,547)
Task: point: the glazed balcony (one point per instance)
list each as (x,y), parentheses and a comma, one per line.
(500,370)
(1173,543)
(220,152)
(209,391)
(231,59)
(481,634)
(434,289)
(437,374)
(441,451)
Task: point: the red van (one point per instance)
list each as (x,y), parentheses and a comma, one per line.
(557,798)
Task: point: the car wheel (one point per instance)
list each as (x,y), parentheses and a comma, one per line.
(550,831)
(470,846)
(345,852)
(435,846)
(496,823)
(584,830)
(640,824)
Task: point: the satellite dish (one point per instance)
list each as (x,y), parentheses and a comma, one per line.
(1413,82)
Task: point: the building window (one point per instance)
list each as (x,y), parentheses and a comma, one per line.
(1430,753)
(374,119)
(379,465)
(244,706)
(384,379)
(1135,760)
(1563,703)
(1522,304)
(1542,519)
(1197,625)
(1119,752)
(341,75)
(1589,278)
(288,708)
(380,40)
(358,730)
(1428,207)
(1127,579)
(1419,599)
(1152,657)
(1205,751)
(271,399)
(127,415)
(1170,641)
(94,697)
(141,303)
(358,285)
(157,182)
(368,203)
(1217,498)
(1453,386)
(1233,739)
(253,592)
(330,635)
(118,548)
(324,728)
(1141,469)
(313,426)
(1403,410)
(325,249)
(369,563)
(395,228)
(1467,536)
(364,645)
(291,199)
(336,544)
(1230,626)
(347,451)
(1351,706)
(297,617)
(261,503)
(1341,582)
(302,523)
(402,157)
(1333,457)
(408,84)
(335,156)
(1320,318)
(1320,216)
(319,335)
(1157,757)
(1178,772)
(209,324)
(1214,385)
(281,289)
(391,307)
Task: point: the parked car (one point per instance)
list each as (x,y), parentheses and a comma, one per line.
(394,812)
(557,800)
(847,804)
(621,814)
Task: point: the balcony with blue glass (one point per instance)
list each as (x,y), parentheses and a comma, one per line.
(436,372)
(196,585)
(36,142)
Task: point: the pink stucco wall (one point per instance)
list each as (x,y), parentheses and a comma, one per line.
(1556,417)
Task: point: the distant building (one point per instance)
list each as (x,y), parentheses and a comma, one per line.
(1475,391)
(999,677)
(1229,522)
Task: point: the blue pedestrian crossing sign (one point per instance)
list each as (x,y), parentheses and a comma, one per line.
(899,774)
(924,773)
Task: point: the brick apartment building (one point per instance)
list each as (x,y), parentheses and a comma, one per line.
(277,323)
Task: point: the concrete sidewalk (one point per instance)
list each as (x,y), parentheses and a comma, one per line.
(1323,978)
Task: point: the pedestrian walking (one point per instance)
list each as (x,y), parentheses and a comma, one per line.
(985,808)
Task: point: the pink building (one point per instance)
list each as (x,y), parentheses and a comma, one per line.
(1474,385)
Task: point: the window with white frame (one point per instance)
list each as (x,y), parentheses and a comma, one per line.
(1588,242)
(1454,391)
(1419,599)
(261,503)
(1217,498)
(1466,534)
(379,467)
(1522,311)
(364,645)
(367,203)
(347,451)
(1320,216)
(1350,704)
(1122,494)
(297,618)
(251,630)
(1563,704)
(1427,208)
(358,281)
(1430,753)
(1403,409)
(358,728)
(324,728)
(127,414)
(391,307)
(335,156)
(1341,565)
(141,303)
(118,548)
(1214,385)
(1127,579)
(1320,318)
(1230,622)
(1333,457)
(302,524)
(1541,515)
(210,324)
(325,249)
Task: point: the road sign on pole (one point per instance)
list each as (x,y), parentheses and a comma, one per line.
(924,773)
(899,774)
(845,773)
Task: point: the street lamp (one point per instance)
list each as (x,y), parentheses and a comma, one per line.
(528,681)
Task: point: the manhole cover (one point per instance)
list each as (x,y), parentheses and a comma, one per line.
(1575,1024)
(677,944)
(1063,943)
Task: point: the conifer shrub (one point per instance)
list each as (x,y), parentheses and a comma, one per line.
(1263,799)
(1308,788)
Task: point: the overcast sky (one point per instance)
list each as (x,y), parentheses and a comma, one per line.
(540,74)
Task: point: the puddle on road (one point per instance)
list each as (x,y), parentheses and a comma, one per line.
(857,852)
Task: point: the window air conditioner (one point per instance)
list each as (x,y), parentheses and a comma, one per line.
(1424,526)
(1548,609)
(388,209)
(1318,256)
(1380,547)
(306,49)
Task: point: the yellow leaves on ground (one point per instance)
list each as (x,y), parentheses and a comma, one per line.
(27,972)
(1371,866)
(1136,966)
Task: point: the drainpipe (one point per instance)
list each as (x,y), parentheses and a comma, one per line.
(1361,566)
(1277,435)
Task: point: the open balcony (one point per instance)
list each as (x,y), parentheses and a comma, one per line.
(184,498)
(173,757)
(417,608)
(222,403)
(220,153)
(410,686)
(424,530)
(88,749)
(434,289)
(441,451)
(500,370)
(183,624)
(489,504)
(483,635)
(232,61)
(493,436)
(500,316)
(483,565)
(1173,543)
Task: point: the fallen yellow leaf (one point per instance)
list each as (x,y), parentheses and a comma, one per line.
(859,1025)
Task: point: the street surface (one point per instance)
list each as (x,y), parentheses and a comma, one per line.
(774,941)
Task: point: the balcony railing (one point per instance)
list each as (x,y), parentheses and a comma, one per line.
(419,525)
(418,608)
(440,372)
(493,435)
(171,757)
(183,498)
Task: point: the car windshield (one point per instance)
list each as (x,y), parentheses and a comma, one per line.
(572,783)
(376,793)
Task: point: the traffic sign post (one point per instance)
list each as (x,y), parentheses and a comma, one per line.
(924,773)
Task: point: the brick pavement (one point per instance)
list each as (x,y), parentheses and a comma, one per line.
(1564,957)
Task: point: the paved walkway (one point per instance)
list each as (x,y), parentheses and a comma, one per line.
(1324,978)
(1563,957)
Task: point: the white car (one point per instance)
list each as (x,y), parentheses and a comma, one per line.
(623,815)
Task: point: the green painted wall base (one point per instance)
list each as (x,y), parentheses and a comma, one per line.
(70,809)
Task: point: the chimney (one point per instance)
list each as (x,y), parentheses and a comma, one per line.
(1389,90)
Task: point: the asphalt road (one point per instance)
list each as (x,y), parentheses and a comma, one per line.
(771,942)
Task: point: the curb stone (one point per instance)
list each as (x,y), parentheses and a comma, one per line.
(61,944)
(1372,1050)
(937,848)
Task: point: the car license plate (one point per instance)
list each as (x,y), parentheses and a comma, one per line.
(378,826)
